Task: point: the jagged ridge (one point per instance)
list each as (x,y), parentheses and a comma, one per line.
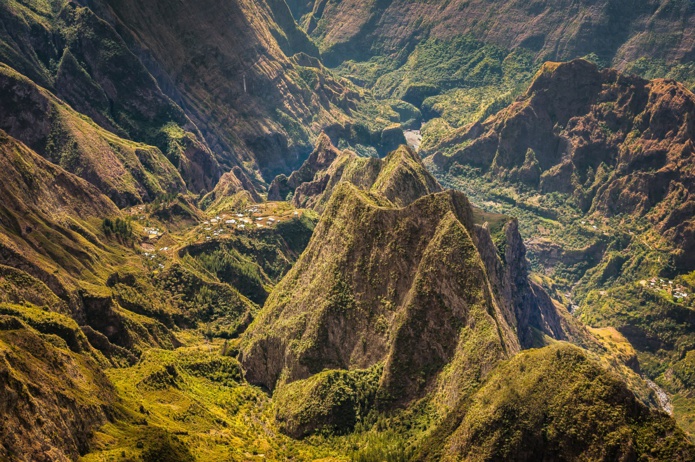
(616,144)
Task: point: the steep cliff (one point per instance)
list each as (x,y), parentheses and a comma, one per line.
(400,177)
(127,172)
(412,283)
(82,60)
(617,31)
(264,98)
(615,144)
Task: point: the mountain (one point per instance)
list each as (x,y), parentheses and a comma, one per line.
(54,389)
(616,144)
(85,63)
(265,95)
(554,404)
(125,66)
(400,177)
(127,172)
(600,164)
(103,318)
(618,31)
(423,309)
(377,274)
(78,300)
(462,61)
(41,232)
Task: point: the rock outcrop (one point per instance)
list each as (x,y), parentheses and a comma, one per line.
(617,144)
(233,186)
(402,276)
(400,177)
(319,160)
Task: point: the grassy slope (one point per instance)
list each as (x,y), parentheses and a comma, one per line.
(199,407)
(555,403)
(65,269)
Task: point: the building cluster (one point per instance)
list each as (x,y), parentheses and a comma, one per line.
(153,233)
(676,290)
(239,221)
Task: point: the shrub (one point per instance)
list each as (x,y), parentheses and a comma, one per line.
(120,229)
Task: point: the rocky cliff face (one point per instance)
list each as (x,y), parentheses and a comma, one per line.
(264,98)
(79,57)
(616,144)
(127,172)
(400,177)
(618,31)
(411,283)
(320,159)
(234,186)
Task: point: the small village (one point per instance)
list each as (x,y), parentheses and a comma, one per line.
(253,218)
(157,244)
(677,291)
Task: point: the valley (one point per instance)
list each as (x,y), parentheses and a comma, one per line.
(347,230)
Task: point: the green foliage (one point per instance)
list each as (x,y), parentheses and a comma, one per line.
(656,326)
(309,75)
(461,62)
(50,323)
(386,446)
(461,80)
(298,136)
(331,402)
(556,403)
(120,229)
(231,267)
(684,371)
(162,201)
(161,446)
(226,311)
(653,68)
